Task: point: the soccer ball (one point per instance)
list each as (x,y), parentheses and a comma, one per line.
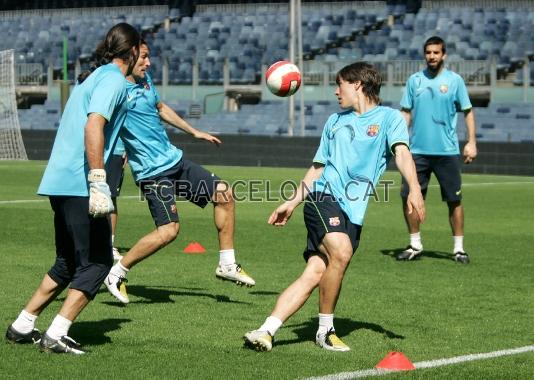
(283,78)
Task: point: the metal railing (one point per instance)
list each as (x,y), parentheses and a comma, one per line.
(29,74)
(475,73)
(77,12)
(485,4)
(324,5)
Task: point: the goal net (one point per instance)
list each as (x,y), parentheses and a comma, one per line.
(11,144)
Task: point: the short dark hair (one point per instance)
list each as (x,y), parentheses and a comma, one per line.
(365,73)
(435,40)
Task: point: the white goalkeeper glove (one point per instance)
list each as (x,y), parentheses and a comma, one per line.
(100,203)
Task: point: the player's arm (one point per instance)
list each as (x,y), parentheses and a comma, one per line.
(407,115)
(100,203)
(281,215)
(470,148)
(94,140)
(406,166)
(168,115)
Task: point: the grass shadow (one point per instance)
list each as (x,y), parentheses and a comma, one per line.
(344,326)
(94,332)
(165,294)
(123,249)
(264,293)
(440,255)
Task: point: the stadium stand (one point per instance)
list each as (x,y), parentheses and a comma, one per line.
(256,35)
(250,36)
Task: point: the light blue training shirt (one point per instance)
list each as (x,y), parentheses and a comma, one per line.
(119,148)
(355,150)
(103,92)
(434,103)
(148,147)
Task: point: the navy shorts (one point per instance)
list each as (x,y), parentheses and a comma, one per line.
(186,180)
(83,246)
(115,174)
(447,171)
(322,214)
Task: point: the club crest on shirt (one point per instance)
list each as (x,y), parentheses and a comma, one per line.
(372,130)
(173,209)
(443,88)
(334,221)
(146,85)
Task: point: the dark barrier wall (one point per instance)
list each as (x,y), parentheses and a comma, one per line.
(494,158)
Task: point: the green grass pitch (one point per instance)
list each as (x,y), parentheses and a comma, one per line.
(183,323)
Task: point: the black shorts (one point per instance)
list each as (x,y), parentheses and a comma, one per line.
(447,171)
(322,214)
(115,174)
(186,180)
(83,246)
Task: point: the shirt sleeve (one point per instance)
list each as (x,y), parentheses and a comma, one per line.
(108,93)
(462,96)
(407,96)
(397,131)
(323,152)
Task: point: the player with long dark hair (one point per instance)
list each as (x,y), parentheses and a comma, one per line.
(75,182)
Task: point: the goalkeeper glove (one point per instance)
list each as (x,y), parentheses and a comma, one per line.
(100,203)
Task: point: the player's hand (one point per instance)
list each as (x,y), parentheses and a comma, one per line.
(281,215)
(415,202)
(470,152)
(206,136)
(100,203)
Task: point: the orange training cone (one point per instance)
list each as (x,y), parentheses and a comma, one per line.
(194,247)
(395,361)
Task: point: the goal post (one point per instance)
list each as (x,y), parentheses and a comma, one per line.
(11,144)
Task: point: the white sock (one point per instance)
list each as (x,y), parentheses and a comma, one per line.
(326,322)
(271,324)
(60,327)
(25,322)
(119,270)
(458,244)
(415,240)
(226,257)
(112,239)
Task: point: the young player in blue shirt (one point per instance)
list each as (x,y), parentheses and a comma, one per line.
(355,147)
(162,172)
(430,103)
(75,182)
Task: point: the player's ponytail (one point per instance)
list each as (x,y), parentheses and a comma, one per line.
(118,43)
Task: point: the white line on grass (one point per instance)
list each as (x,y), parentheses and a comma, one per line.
(23,201)
(426,364)
(275,192)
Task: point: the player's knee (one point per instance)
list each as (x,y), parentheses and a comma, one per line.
(341,256)
(314,271)
(224,195)
(168,232)
(316,275)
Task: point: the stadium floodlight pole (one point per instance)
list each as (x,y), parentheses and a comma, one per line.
(292,60)
(64,86)
(301,65)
